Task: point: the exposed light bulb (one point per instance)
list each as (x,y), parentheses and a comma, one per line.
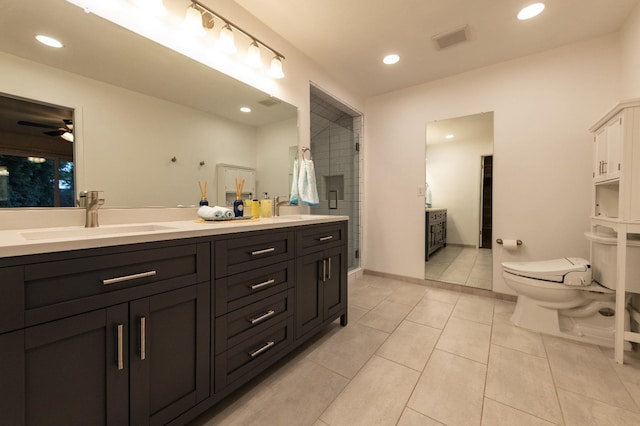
(193,22)
(67,136)
(530,11)
(276,68)
(227,43)
(253,55)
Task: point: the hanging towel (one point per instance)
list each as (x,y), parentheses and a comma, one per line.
(293,197)
(307,188)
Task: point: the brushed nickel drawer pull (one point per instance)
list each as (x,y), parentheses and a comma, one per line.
(256,286)
(143,338)
(263,317)
(329,277)
(120,329)
(262,349)
(327,238)
(324,270)
(128,277)
(257,252)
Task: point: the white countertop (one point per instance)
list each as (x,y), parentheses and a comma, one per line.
(19,242)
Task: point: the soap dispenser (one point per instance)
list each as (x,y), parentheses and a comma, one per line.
(265,206)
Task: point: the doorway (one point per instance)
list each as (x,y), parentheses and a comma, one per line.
(335,148)
(486,201)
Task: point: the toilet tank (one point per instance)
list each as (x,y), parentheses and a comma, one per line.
(604,256)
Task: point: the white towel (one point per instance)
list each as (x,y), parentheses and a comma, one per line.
(212,213)
(293,197)
(307,183)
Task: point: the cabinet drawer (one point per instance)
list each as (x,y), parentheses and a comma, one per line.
(243,289)
(246,322)
(242,254)
(247,357)
(321,237)
(70,285)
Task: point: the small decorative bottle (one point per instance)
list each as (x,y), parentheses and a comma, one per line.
(203,201)
(238,207)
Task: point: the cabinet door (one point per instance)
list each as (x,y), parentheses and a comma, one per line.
(309,273)
(614,148)
(600,153)
(249,177)
(334,288)
(169,354)
(64,365)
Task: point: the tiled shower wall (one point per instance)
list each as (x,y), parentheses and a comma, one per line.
(335,130)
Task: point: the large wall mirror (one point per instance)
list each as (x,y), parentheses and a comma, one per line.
(459,179)
(148,123)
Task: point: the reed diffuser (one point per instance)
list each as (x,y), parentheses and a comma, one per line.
(203,193)
(238,204)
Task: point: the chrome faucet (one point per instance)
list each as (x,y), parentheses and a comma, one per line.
(92,205)
(276,205)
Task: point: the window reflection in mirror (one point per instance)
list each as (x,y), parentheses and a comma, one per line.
(36,154)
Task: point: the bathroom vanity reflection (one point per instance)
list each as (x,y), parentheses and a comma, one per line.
(459,156)
(137,106)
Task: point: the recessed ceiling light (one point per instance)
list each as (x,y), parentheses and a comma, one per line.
(391,59)
(245,109)
(51,42)
(530,11)
(449,136)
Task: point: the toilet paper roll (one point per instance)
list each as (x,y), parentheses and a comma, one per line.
(510,244)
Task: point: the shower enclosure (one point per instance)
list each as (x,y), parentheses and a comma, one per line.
(335,134)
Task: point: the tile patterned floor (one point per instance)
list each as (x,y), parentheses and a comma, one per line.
(416,355)
(463,265)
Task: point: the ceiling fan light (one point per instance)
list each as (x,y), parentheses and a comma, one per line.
(227,42)
(193,21)
(253,55)
(276,68)
(67,136)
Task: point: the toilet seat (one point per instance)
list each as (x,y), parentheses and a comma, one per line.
(555,270)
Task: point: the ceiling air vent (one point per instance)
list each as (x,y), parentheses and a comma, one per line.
(444,40)
(269,102)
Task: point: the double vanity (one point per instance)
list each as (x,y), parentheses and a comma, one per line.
(154,323)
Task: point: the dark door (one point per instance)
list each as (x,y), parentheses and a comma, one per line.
(169,354)
(64,370)
(333,288)
(309,270)
(487,198)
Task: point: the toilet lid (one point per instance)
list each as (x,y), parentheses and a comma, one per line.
(549,270)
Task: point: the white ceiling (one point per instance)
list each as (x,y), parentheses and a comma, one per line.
(349,38)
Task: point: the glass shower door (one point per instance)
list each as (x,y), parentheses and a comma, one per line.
(334,149)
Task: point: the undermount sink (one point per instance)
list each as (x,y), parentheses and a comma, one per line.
(291,217)
(92,232)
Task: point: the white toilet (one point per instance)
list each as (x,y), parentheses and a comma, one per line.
(559,297)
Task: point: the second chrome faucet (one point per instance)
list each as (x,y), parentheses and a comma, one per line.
(92,205)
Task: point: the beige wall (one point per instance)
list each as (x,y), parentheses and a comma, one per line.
(630,57)
(543,106)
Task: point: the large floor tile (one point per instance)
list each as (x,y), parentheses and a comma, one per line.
(495,414)
(407,294)
(386,316)
(346,351)
(410,344)
(368,297)
(431,312)
(581,411)
(507,334)
(474,308)
(468,339)
(442,295)
(413,418)
(376,396)
(522,381)
(450,390)
(583,369)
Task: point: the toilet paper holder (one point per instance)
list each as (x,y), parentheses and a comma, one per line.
(499,241)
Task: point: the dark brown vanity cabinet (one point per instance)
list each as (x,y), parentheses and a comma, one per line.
(435,231)
(321,274)
(254,293)
(138,353)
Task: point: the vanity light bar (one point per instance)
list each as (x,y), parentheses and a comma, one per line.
(235,27)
